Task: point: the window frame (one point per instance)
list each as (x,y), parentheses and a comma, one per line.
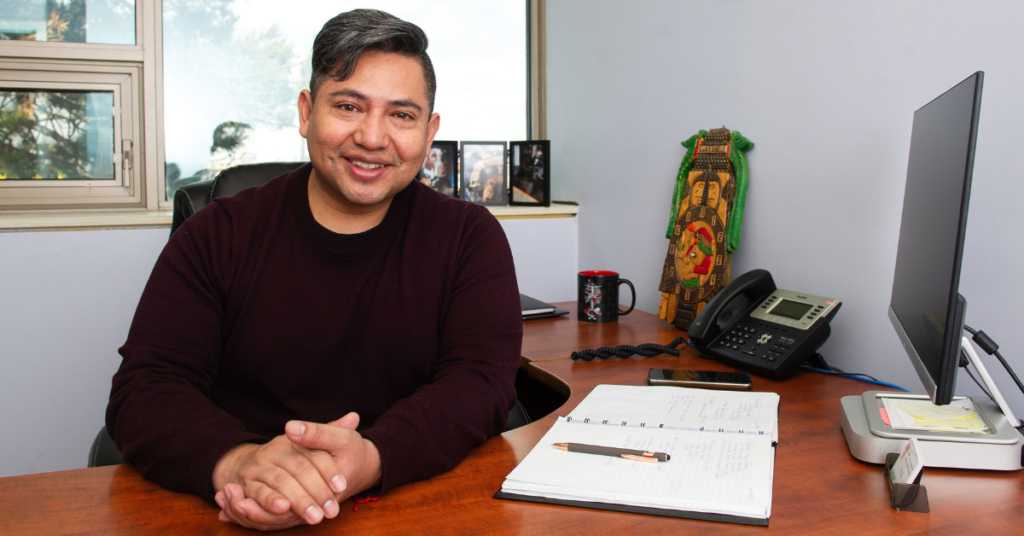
(123,82)
(47,65)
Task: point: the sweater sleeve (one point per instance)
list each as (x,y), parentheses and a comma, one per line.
(473,382)
(160,412)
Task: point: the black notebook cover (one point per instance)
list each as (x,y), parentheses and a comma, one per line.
(666,512)
(538,308)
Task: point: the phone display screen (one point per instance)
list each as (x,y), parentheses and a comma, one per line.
(791,309)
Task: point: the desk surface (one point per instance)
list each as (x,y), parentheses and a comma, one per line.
(818,486)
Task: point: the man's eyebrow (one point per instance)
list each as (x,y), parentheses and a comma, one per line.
(405,103)
(353,94)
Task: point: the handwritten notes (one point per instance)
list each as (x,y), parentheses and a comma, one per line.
(720,443)
(730,474)
(680,408)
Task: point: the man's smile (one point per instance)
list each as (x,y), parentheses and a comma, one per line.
(366,165)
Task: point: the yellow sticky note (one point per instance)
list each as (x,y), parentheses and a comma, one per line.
(968,422)
(928,411)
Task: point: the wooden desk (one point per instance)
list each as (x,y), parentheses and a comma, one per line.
(819,488)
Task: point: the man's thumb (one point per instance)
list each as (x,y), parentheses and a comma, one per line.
(349,421)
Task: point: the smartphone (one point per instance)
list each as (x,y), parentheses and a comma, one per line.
(704,379)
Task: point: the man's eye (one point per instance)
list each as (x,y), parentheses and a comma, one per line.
(403,115)
(348,107)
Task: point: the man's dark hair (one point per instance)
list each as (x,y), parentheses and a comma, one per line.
(340,42)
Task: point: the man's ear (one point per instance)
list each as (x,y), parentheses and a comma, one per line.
(432,126)
(305,110)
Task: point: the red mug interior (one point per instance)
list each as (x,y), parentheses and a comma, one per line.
(598,273)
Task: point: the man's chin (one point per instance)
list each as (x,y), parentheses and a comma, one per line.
(368,197)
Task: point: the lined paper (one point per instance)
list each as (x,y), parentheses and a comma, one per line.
(714,473)
(680,408)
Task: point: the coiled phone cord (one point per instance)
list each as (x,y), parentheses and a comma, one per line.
(644,350)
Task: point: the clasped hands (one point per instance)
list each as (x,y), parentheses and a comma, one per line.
(296,478)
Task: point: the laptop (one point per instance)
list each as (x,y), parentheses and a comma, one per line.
(534,308)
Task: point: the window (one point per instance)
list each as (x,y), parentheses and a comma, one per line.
(233,70)
(72,74)
(114,104)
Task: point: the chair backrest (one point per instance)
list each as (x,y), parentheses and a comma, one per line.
(191,198)
(103,451)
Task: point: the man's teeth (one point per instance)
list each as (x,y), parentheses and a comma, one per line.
(367,165)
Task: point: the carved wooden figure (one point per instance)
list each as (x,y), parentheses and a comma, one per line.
(704,228)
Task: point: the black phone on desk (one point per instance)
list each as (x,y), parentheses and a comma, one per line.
(701,379)
(753,325)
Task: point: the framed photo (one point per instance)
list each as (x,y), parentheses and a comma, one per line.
(529,173)
(438,169)
(482,167)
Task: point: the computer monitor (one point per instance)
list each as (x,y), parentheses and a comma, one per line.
(926,308)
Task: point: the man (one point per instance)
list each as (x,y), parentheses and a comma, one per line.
(343,293)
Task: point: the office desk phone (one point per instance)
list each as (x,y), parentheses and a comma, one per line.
(755,326)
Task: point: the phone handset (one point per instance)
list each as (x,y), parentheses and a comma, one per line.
(727,306)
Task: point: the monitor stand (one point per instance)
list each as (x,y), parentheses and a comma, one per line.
(1001,448)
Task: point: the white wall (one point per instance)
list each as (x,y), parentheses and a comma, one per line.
(827,91)
(546,256)
(67,301)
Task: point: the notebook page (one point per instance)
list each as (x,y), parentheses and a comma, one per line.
(716,473)
(680,407)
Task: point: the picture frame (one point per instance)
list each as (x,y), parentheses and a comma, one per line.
(439,170)
(530,173)
(482,172)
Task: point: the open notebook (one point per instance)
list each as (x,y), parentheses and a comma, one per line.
(721,446)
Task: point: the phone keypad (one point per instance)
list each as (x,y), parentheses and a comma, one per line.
(761,340)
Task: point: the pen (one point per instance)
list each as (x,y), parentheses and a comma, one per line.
(629,454)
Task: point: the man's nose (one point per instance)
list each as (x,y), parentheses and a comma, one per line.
(372,132)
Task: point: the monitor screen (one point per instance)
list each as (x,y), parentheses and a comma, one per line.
(926,307)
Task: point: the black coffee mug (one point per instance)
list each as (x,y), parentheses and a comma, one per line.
(598,296)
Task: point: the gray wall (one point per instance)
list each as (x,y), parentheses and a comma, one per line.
(67,301)
(827,91)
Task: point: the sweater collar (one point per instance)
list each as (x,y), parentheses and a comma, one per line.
(297,200)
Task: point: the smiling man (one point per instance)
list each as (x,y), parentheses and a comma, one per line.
(342,328)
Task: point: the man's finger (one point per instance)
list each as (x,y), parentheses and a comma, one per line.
(312,480)
(302,502)
(332,439)
(268,499)
(328,468)
(246,512)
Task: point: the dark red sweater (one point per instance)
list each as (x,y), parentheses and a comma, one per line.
(255,314)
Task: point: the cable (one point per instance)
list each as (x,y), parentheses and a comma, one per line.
(1010,370)
(644,350)
(838,371)
(841,371)
(855,377)
(968,371)
(991,348)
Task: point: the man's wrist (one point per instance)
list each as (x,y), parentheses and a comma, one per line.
(374,463)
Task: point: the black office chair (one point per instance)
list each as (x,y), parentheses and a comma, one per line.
(190,198)
(103,451)
(517,416)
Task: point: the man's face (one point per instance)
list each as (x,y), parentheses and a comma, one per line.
(368,135)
